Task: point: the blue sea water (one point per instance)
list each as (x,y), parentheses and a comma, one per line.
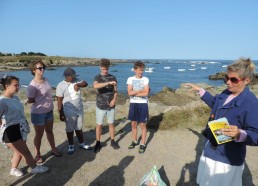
(175,73)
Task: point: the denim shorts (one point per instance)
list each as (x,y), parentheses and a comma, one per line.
(100,114)
(138,112)
(41,119)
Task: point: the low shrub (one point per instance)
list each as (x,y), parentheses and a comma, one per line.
(180,118)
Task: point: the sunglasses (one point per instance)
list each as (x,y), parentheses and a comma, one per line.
(41,68)
(233,80)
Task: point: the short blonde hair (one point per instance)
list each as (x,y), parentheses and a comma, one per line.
(244,67)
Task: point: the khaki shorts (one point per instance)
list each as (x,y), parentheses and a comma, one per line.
(100,114)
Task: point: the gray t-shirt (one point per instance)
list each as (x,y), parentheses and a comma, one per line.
(71,99)
(105,94)
(12,113)
(11,110)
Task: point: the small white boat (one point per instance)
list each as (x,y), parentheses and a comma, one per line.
(203,68)
(149,70)
(167,67)
(224,66)
(181,69)
(192,69)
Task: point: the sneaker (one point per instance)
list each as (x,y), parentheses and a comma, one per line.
(39,169)
(70,149)
(86,147)
(114,144)
(133,144)
(142,148)
(16,172)
(97,147)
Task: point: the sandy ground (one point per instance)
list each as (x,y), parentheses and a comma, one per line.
(175,153)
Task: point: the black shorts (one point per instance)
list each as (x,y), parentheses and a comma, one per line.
(12,134)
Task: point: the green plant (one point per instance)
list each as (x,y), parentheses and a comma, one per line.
(180,118)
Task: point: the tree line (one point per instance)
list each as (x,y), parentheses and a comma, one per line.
(23,54)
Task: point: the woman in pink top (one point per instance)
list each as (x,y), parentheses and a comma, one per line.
(39,93)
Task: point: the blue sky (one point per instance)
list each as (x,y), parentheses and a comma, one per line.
(131,29)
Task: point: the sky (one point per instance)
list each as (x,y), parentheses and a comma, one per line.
(131,29)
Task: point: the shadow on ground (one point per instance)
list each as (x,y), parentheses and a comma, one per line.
(62,168)
(107,177)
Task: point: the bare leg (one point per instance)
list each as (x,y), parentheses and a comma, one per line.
(20,147)
(144,133)
(39,131)
(98,132)
(16,158)
(79,135)
(134,130)
(50,135)
(112,131)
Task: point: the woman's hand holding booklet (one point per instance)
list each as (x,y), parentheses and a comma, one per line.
(216,127)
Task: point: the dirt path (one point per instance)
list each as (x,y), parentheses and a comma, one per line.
(175,153)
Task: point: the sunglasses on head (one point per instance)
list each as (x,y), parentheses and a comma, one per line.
(41,68)
(233,80)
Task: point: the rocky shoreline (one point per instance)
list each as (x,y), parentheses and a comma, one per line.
(17,63)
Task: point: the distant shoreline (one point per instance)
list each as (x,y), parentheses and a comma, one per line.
(53,67)
(20,63)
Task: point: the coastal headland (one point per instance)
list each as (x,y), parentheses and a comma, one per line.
(18,62)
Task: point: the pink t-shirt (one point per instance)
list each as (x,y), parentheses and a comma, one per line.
(42,92)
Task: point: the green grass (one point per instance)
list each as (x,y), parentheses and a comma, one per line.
(180,118)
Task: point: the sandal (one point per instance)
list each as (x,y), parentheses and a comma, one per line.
(38,159)
(56,154)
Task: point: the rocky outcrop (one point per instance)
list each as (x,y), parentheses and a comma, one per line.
(217,76)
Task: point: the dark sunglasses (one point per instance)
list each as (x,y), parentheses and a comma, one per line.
(233,80)
(41,68)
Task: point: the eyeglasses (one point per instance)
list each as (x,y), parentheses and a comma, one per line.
(41,68)
(233,80)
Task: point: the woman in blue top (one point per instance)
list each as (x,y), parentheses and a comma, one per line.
(223,164)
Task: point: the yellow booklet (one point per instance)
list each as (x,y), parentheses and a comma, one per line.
(216,126)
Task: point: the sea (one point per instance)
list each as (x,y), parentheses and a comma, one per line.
(161,73)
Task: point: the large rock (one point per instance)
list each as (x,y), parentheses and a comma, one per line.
(217,76)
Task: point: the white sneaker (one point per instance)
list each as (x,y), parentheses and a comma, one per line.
(70,149)
(16,172)
(39,169)
(86,147)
